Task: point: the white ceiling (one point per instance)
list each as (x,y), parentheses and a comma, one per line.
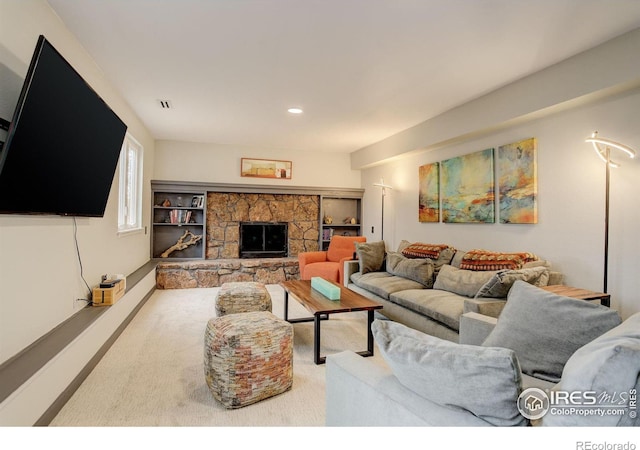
(361,69)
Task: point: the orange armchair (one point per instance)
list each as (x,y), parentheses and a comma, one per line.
(329,264)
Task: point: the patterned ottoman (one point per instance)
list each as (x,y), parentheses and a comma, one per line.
(242,296)
(248,357)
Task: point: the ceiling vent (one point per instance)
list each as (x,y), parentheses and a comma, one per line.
(165,104)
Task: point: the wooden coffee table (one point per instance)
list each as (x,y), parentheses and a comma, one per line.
(320,306)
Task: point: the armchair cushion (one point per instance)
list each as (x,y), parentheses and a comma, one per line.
(483,381)
(342,247)
(329,264)
(545,329)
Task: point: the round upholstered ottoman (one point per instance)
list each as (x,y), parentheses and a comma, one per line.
(242,296)
(248,357)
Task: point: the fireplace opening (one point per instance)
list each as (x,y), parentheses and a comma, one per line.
(263,240)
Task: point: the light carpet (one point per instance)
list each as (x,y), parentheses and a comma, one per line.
(153,374)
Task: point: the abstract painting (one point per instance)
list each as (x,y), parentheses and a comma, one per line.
(468,188)
(429,193)
(517,182)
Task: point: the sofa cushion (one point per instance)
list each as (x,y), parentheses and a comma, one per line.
(498,286)
(545,329)
(383,284)
(459,281)
(487,260)
(484,381)
(610,364)
(370,256)
(441,306)
(420,270)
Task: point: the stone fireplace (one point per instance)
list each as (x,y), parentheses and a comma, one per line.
(226,211)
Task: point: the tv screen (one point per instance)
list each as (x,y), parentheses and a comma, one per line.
(63,143)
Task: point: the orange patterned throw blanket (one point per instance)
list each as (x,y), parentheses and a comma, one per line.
(420,250)
(486,260)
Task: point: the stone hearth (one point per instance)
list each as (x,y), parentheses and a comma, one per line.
(213,273)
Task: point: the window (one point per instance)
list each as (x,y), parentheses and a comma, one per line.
(130,198)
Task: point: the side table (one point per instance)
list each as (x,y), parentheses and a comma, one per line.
(582,294)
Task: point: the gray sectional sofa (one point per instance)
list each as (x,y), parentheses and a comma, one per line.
(435,303)
(541,343)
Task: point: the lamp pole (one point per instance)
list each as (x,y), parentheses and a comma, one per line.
(603,149)
(384,193)
(606,218)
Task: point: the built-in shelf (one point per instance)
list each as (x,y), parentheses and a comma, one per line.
(337,210)
(176,211)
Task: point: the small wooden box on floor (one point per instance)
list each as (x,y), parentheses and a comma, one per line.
(108,296)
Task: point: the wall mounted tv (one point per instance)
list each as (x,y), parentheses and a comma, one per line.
(63,143)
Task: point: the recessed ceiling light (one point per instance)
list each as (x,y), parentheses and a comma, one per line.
(295,110)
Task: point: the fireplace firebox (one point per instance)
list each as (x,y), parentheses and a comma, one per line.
(263,240)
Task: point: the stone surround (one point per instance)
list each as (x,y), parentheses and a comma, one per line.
(225,211)
(213,273)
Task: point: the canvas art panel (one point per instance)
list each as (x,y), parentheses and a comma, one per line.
(429,193)
(517,182)
(265,168)
(468,188)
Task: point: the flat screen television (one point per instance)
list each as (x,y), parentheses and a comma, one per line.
(63,143)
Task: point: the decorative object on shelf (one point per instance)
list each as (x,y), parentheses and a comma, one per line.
(518,182)
(166,203)
(429,193)
(197,201)
(384,193)
(328,220)
(603,149)
(468,189)
(265,168)
(182,243)
(350,220)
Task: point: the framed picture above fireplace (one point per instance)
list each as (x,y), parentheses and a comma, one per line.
(265,168)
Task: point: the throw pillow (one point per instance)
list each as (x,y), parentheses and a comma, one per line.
(545,329)
(486,260)
(402,245)
(609,366)
(420,270)
(500,284)
(420,250)
(370,256)
(486,382)
(461,282)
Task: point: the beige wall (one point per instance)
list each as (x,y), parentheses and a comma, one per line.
(39,270)
(186,161)
(560,107)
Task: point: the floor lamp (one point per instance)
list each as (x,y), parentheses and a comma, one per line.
(603,149)
(384,193)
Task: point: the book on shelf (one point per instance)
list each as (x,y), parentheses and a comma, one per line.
(179,216)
